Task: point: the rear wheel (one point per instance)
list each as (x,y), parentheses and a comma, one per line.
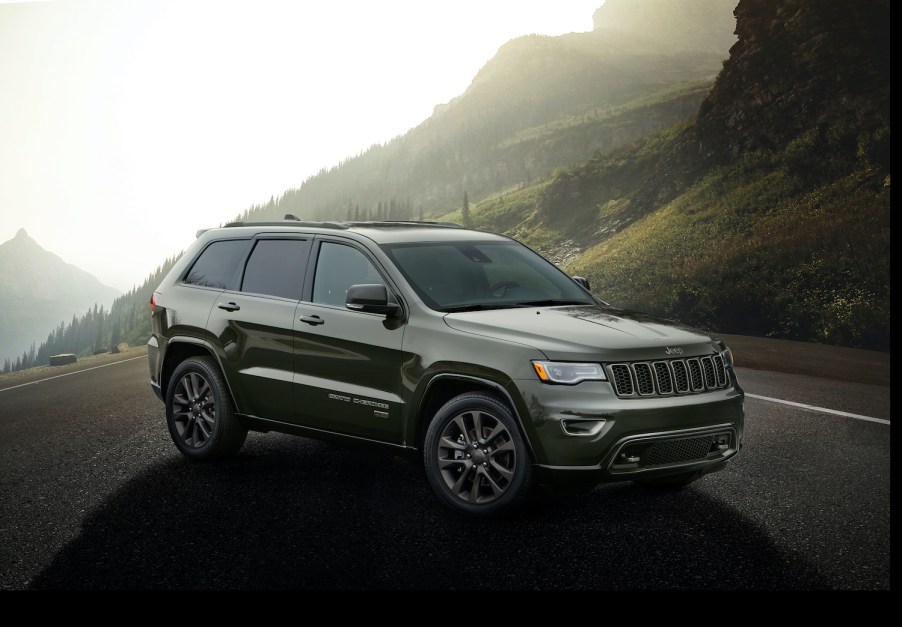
(199,412)
(475,458)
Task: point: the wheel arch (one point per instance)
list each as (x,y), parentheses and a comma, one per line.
(443,387)
(180,349)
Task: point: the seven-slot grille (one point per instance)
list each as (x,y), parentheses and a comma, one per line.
(669,376)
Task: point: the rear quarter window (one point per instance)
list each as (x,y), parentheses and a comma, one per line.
(218,265)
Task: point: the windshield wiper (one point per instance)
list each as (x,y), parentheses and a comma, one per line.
(521,305)
(550,303)
(482,307)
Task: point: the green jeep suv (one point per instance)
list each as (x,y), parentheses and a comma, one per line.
(467,347)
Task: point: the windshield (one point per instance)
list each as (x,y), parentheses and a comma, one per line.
(469,276)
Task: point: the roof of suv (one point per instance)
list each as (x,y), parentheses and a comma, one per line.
(379,232)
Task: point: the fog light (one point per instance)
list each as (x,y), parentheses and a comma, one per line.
(582,428)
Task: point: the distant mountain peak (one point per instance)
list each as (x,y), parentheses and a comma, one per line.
(39,290)
(21,244)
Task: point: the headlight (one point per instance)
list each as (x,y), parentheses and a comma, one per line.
(727,355)
(568,373)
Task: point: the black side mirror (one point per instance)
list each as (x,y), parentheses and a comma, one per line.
(583,281)
(371,299)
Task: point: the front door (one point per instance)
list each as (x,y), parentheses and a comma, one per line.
(347,363)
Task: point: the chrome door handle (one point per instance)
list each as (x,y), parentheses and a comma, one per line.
(230,306)
(312,320)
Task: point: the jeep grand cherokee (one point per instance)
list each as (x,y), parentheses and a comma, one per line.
(465,346)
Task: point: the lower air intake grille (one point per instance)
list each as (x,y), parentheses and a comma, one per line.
(678,451)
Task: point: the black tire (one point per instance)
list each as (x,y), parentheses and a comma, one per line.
(491,478)
(200,413)
(671,482)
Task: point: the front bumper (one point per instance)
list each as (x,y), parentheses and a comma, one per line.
(584,435)
(650,456)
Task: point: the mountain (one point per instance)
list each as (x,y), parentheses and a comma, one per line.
(38,291)
(539,104)
(671,24)
(769,213)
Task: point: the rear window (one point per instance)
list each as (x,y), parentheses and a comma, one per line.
(218,265)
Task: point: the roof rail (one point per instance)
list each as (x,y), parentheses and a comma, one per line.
(401,223)
(291,222)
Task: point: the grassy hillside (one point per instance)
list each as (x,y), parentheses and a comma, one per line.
(755,248)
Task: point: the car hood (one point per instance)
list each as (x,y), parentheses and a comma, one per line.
(587,332)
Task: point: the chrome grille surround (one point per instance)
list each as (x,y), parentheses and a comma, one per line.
(621,379)
(695,375)
(680,376)
(668,377)
(645,383)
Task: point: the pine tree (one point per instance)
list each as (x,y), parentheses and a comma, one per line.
(116,335)
(98,343)
(465,213)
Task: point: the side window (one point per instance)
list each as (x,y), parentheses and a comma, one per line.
(338,268)
(276,268)
(218,265)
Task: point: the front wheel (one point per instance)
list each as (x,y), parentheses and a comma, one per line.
(199,412)
(475,458)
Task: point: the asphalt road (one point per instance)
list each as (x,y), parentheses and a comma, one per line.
(93,495)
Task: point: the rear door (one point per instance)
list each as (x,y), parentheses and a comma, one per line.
(188,303)
(347,363)
(254,326)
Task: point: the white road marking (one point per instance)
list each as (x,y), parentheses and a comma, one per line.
(819,409)
(757,396)
(22,385)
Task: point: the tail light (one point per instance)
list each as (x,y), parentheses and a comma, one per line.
(153,303)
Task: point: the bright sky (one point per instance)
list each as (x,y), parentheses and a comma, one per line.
(126,125)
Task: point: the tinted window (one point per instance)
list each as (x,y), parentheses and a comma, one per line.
(482,275)
(218,265)
(338,268)
(276,268)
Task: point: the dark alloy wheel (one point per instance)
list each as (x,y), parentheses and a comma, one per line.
(475,457)
(199,412)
